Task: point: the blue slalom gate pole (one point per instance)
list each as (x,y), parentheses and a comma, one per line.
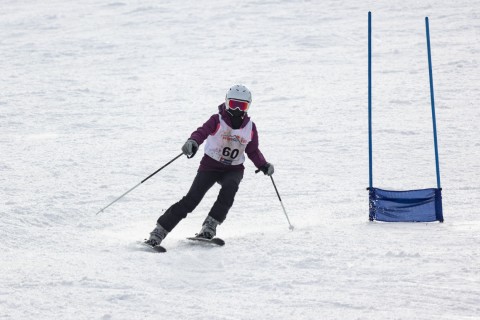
(370,158)
(432,99)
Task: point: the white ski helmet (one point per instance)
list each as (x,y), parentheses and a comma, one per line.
(238,97)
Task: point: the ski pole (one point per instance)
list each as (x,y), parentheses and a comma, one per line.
(279,198)
(123,195)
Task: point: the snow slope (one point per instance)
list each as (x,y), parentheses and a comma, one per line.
(96,95)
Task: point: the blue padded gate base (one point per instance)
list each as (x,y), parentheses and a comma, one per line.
(423,205)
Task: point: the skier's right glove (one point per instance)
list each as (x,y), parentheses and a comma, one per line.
(267,169)
(190,148)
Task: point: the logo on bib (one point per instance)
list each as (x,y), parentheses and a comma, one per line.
(234,138)
(225,161)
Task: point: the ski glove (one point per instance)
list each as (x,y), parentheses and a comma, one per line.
(267,169)
(190,148)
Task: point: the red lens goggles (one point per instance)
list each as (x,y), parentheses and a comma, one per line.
(238,104)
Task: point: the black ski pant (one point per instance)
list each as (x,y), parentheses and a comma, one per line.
(203,181)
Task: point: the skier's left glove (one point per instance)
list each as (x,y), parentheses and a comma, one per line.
(190,148)
(267,169)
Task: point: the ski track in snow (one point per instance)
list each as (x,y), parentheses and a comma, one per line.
(97,95)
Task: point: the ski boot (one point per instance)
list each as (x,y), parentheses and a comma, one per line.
(156,237)
(209,228)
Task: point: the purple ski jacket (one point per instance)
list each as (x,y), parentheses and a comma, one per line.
(209,127)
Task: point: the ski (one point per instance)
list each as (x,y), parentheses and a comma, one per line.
(157,248)
(215,241)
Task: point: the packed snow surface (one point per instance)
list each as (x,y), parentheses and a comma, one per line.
(96,95)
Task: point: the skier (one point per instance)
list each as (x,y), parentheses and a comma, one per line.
(230,133)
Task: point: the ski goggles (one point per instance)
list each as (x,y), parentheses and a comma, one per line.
(238,104)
